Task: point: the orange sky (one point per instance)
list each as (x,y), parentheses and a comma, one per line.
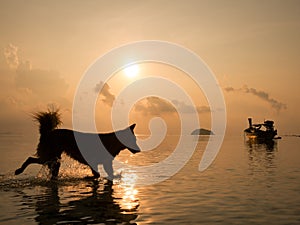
(251,46)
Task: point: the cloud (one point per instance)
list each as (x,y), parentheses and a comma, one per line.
(154,106)
(157,106)
(275,104)
(11,56)
(228,89)
(29,87)
(185,108)
(46,84)
(203,109)
(104,89)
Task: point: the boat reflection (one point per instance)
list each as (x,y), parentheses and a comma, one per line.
(84,202)
(261,155)
(258,144)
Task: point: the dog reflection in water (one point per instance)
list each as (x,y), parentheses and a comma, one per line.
(53,142)
(97,205)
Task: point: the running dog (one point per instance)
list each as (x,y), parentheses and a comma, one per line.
(53,142)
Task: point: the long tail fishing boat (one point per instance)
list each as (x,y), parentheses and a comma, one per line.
(262,131)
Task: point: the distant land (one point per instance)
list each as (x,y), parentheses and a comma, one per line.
(202,131)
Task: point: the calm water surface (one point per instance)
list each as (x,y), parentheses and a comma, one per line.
(248,183)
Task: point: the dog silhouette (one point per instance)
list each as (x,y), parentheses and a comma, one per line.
(53,142)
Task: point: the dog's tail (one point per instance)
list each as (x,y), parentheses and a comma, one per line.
(48,121)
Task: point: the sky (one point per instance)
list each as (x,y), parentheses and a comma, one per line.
(252,47)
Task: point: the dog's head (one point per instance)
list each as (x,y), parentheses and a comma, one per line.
(128,139)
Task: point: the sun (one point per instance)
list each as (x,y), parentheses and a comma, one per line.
(132,71)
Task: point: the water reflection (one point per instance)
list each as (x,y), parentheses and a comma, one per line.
(88,202)
(257,144)
(128,193)
(261,154)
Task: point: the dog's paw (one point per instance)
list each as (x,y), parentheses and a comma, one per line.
(114,177)
(91,177)
(18,171)
(118,176)
(54,178)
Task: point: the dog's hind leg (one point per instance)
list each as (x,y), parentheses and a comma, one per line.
(29,161)
(54,169)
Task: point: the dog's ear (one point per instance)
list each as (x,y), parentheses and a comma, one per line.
(132,127)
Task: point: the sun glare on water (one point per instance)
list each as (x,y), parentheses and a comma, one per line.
(132,71)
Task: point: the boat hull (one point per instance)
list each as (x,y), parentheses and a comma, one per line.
(260,134)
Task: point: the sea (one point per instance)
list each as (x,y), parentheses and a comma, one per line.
(247,183)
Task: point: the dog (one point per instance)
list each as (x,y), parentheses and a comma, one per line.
(53,142)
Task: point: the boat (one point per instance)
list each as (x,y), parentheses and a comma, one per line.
(261,131)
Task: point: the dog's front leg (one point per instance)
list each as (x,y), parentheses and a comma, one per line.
(109,169)
(29,161)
